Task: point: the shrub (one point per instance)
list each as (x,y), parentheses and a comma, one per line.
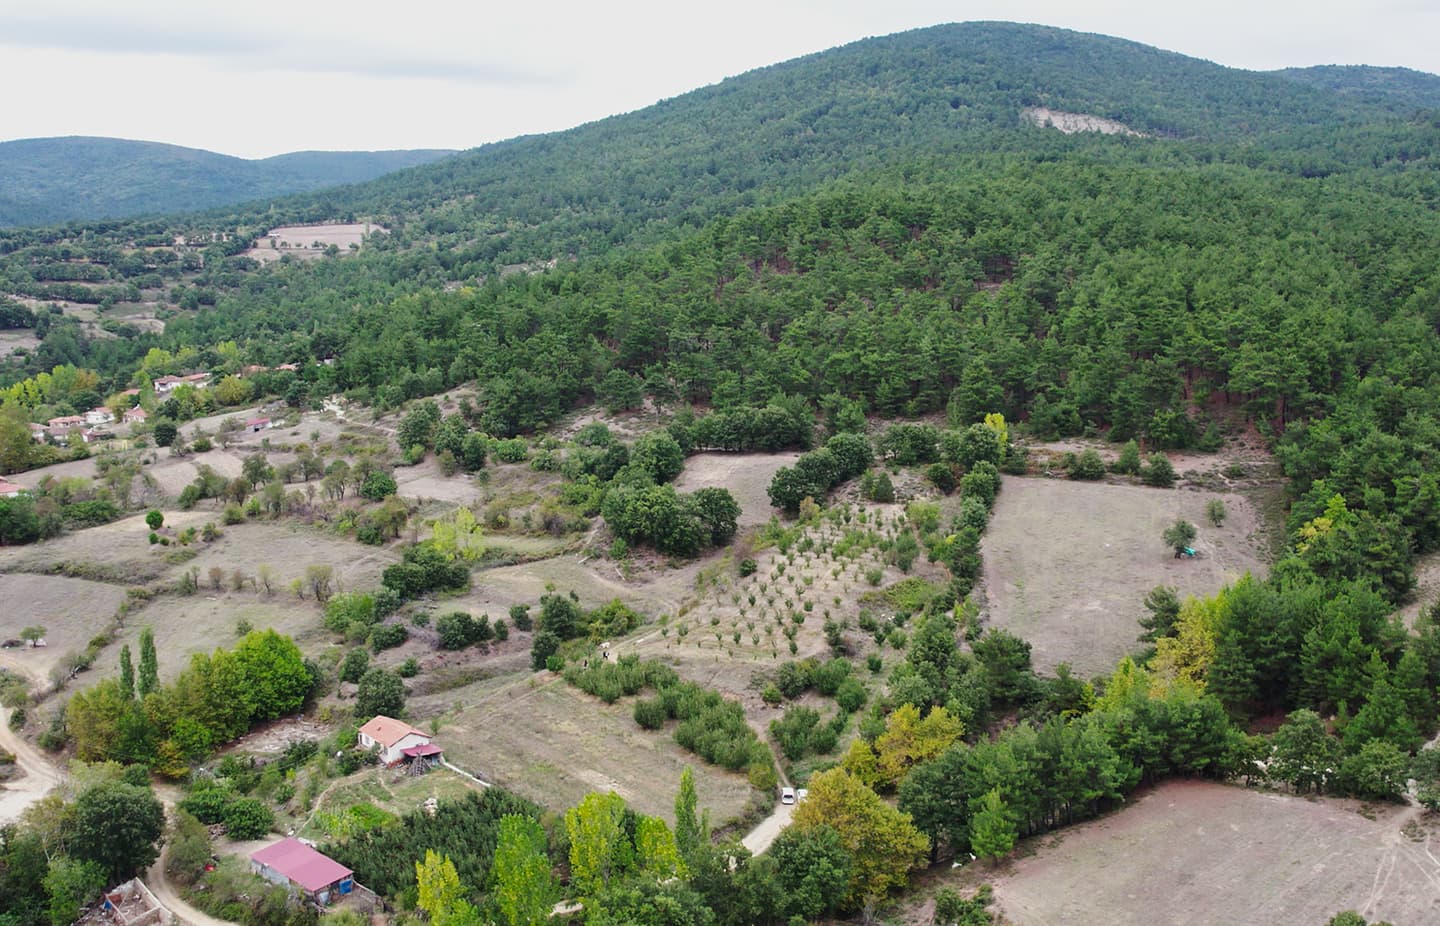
(388,636)
(1088,466)
(520,616)
(247,818)
(154,519)
(851,695)
(649,713)
(353,667)
(1159,472)
(408,669)
(377,486)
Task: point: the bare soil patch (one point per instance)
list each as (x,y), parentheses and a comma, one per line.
(1068,564)
(71,611)
(746,475)
(1196,852)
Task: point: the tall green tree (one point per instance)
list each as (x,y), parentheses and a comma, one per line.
(118,826)
(595,831)
(523,888)
(127,672)
(149,679)
(690,828)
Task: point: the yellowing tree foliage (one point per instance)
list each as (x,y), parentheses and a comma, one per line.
(883,841)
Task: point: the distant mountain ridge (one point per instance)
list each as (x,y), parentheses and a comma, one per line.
(49,180)
(1398,86)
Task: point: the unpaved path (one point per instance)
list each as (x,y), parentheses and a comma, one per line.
(768,829)
(164,891)
(40,775)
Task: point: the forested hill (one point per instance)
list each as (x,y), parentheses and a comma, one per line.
(769,134)
(1401,88)
(49,180)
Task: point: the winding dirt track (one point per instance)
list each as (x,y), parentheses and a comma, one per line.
(40,775)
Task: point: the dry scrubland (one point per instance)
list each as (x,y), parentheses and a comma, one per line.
(1068,564)
(1193,852)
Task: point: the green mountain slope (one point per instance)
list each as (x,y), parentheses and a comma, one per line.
(47,180)
(776,131)
(1400,87)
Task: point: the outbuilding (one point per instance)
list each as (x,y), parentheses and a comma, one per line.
(293,862)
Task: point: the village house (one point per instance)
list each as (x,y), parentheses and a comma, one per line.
(60,428)
(98,416)
(166,384)
(290,861)
(397,740)
(9,489)
(91,435)
(256,425)
(136,415)
(37,431)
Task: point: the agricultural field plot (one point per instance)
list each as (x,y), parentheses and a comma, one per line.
(71,611)
(392,791)
(746,475)
(203,622)
(1196,852)
(554,744)
(596,582)
(31,478)
(732,626)
(288,548)
(17,340)
(118,552)
(1068,564)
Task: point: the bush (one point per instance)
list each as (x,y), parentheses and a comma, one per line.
(247,818)
(520,616)
(748,567)
(1088,466)
(353,667)
(1158,472)
(377,486)
(154,519)
(851,695)
(408,669)
(1128,464)
(388,636)
(650,713)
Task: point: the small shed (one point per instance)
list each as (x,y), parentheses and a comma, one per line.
(420,759)
(256,425)
(291,861)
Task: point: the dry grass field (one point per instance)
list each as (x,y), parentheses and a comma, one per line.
(71,611)
(206,621)
(1068,564)
(1192,852)
(746,475)
(553,744)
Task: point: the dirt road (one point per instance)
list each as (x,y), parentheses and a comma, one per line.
(164,891)
(39,775)
(760,838)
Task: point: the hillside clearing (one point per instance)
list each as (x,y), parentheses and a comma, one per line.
(71,611)
(1195,852)
(1068,564)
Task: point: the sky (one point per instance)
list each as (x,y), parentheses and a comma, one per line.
(265,77)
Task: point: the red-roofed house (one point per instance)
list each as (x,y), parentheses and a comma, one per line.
(9,489)
(99,415)
(136,415)
(256,425)
(393,737)
(291,861)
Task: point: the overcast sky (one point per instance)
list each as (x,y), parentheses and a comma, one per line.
(267,76)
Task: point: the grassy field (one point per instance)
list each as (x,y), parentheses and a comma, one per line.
(746,475)
(1068,564)
(1192,852)
(71,611)
(554,744)
(200,623)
